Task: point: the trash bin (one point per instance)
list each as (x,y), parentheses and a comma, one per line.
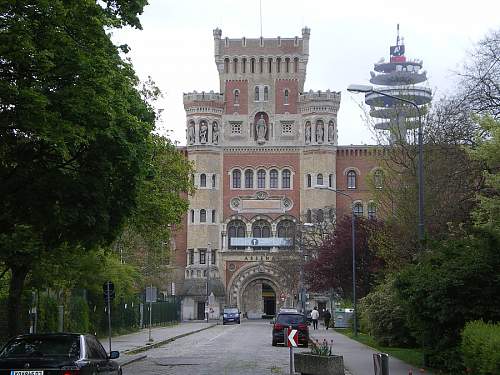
(381,363)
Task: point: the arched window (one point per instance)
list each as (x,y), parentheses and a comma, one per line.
(378,178)
(252,65)
(266,93)
(296,65)
(236,179)
(214,178)
(261,229)
(226,65)
(270,65)
(235,229)
(330,180)
(287,65)
(273,179)
(351,179)
(192,216)
(358,209)
(249,179)
(285,179)
(261,65)
(320,216)
(261,179)
(309,181)
(308,216)
(203,216)
(372,210)
(235,65)
(213,216)
(203,180)
(236,96)
(278,65)
(285,100)
(286,229)
(256,91)
(319,179)
(244,65)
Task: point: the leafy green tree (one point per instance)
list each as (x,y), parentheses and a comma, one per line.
(487,214)
(161,203)
(74,131)
(456,282)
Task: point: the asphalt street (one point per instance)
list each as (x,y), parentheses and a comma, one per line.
(229,349)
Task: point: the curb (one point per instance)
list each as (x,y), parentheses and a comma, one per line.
(128,361)
(163,342)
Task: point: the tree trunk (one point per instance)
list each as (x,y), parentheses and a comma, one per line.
(14,302)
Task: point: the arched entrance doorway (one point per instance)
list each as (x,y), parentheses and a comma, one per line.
(254,288)
(258,299)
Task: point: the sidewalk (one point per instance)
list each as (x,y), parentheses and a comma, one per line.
(358,358)
(132,346)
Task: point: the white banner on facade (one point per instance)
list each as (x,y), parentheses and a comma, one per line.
(254,242)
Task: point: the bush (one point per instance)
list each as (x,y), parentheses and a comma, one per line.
(383,317)
(47,314)
(481,347)
(454,283)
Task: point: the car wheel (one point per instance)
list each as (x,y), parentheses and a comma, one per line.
(275,343)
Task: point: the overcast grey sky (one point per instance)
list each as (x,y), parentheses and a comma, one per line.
(175,46)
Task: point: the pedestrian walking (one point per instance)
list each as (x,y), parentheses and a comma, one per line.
(327,316)
(315,317)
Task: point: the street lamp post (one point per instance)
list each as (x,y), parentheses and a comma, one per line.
(369,89)
(207,259)
(353,236)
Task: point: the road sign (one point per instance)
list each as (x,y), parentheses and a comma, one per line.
(151,293)
(293,337)
(108,289)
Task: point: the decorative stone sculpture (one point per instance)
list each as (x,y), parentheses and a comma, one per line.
(331,129)
(191,136)
(261,129)
(308,133)
(215,133)
(203,132)
(320,132)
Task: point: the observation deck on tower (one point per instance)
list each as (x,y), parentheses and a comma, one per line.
(398,77)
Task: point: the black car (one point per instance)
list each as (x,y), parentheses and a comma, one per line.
(296,321)
(231,315)
(57,354)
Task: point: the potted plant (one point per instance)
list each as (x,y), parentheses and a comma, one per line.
(320,361)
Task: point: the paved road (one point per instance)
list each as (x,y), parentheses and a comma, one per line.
(230,349)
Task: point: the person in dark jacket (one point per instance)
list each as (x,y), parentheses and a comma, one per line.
(327,316)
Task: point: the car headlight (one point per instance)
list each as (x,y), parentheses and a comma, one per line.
(225,315)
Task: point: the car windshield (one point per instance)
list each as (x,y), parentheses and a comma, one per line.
(231,311)
(290,319)
(36,346)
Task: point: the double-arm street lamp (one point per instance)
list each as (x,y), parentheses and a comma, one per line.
(367,89)
(353,237)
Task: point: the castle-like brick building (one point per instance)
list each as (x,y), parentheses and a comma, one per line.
(261,148)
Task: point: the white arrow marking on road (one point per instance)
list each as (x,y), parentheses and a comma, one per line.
(291,337)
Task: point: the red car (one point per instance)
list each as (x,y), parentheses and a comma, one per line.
(296,321)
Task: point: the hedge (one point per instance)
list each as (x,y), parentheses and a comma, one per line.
(481,347)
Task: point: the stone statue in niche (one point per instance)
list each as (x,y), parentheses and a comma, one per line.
(308,133)
(191,136)
(320,132)
(203,132)
(331,129)
(261,129)
(215,133)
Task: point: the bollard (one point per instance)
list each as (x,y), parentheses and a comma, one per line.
(381,363)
